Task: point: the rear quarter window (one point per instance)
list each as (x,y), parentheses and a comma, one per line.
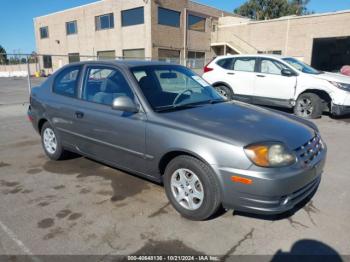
(225,63)
(66,82)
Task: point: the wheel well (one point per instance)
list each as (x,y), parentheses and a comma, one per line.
(41,123)
(322,94)
(221,84)
(165,160)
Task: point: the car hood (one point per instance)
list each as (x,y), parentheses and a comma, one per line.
(334,77)
(241,124)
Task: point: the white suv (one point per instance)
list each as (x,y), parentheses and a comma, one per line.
(279,81)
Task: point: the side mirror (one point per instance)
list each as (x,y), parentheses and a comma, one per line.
(125,104)
(287,72)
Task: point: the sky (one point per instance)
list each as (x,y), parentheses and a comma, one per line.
(16,17)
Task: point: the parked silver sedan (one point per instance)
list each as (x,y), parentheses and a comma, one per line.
(165,123)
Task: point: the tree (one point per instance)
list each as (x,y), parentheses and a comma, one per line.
(33,58)
(3,55)
(298,7)
(270,9)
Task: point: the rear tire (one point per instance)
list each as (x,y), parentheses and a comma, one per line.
(187,180)
(308,106)
(224,91)
(52,143)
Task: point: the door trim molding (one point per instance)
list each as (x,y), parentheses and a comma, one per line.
(139,154)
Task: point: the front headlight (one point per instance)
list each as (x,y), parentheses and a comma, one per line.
(270,155)
(342,86)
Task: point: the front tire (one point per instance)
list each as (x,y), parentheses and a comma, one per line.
(52,143)
(309,106)
(224,91)
(192,188)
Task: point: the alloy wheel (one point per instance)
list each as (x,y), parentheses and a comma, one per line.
(305,107)
(222,92)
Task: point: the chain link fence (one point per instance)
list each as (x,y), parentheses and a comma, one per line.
(33,66)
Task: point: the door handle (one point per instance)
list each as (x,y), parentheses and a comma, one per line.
(230,73)
(260,76)
(79,114)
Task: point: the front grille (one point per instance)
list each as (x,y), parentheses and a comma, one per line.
(310,150)
(300,193)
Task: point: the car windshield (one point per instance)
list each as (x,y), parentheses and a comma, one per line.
(171,87)
(301,66)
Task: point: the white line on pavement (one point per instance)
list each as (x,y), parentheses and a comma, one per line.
(19,243)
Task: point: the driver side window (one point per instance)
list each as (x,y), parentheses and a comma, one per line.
(269,66)
(102,85)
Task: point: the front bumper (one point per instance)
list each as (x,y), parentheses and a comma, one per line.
(340,110)
(271,192)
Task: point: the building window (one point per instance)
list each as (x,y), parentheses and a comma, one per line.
(67,81)
(134,53)
(196,23)
(133,16)
(71,28)
(73,57)
(106,55)
(195,59)
(44,32)
(168,17)
(104,22)
(47,59)
(274,52)
(169,55)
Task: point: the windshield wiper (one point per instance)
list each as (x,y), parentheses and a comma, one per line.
(189,105)
(174,107)
(216,101)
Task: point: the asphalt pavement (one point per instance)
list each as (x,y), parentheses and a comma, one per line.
(81,207)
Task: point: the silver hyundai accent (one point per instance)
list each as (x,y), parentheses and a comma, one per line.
(165,123)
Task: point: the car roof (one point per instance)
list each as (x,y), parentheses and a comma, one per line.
(254,55)
(127,63)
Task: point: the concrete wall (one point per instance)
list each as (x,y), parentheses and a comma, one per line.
(292,35)
(19,70)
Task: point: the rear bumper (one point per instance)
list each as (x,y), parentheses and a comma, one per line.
(272,193)
(32,118)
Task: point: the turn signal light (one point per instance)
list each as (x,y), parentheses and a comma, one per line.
(238,179)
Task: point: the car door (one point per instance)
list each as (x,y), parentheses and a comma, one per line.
(60,106)
(109,135)
(270,86)
(241,77)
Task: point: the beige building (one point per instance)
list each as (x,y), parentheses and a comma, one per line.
(186,32)
(322,40)
(156,29)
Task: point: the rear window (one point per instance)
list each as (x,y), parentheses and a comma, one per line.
(225,63)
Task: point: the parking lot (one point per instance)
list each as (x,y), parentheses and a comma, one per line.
(82,207)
